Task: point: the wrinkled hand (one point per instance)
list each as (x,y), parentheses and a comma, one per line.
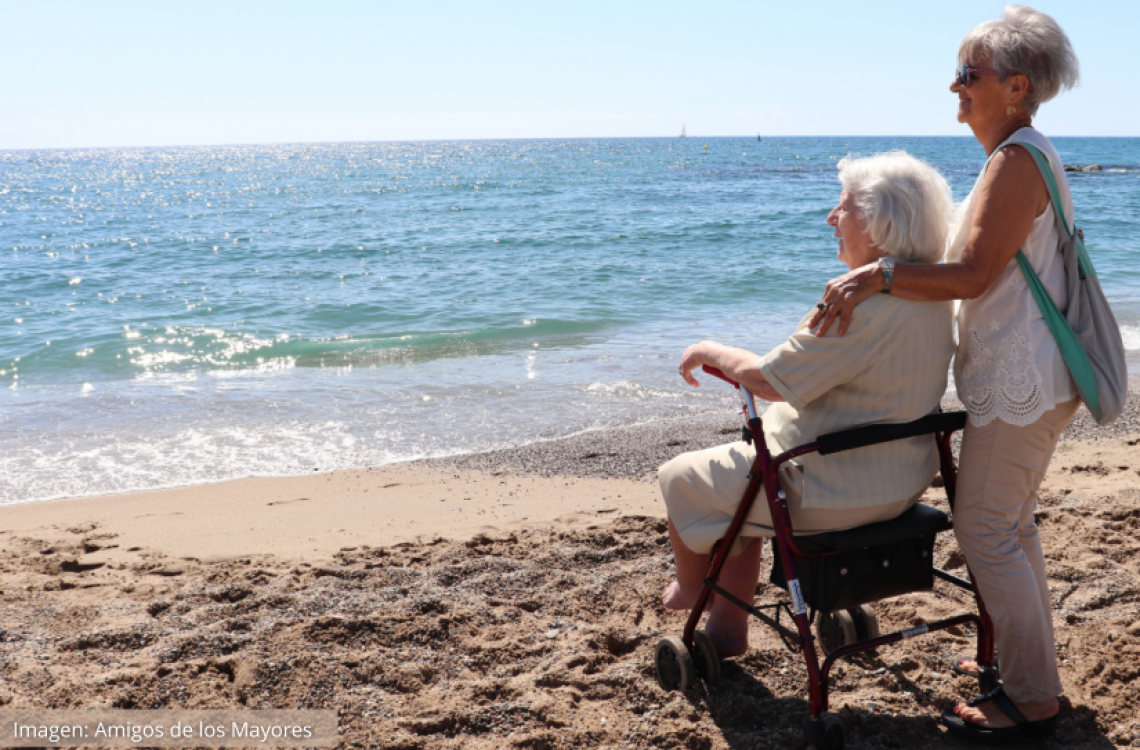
(842,294)
(695,356)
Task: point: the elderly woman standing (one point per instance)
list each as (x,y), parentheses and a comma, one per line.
(891,367)
(1008,369)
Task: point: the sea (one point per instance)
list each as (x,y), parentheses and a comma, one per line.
(173,316)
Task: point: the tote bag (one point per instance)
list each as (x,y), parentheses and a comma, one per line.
(1086,334)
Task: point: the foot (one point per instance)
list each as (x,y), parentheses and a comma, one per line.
(969,666)
(676,597)
(988,715)
(995,718)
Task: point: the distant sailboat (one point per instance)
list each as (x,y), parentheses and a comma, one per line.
(684,134)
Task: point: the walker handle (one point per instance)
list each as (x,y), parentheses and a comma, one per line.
(716,373)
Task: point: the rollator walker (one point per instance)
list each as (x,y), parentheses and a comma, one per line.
(832,577)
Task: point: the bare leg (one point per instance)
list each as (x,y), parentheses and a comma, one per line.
(727,626)
(691,570)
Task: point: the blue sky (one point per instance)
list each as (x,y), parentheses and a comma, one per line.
(111,73)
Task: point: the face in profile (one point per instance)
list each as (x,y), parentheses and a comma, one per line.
(851,229)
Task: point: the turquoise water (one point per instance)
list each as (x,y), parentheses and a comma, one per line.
(178,315)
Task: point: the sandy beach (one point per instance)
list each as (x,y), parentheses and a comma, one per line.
(511,599)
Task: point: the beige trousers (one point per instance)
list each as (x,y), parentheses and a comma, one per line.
(1000,468)
(703,489)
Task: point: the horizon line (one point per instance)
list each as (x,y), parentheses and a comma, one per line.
(516,138)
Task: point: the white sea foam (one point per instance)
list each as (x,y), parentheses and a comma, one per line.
(166,378)
(159,359)
(175,429)
(190,456)
(628,389)
(262,366)
(1131,336)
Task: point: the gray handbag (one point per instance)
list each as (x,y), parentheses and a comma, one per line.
(1087,333)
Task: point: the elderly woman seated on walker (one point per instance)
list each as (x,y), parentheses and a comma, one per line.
(891,366)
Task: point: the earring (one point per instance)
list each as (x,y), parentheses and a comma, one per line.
(1010,111)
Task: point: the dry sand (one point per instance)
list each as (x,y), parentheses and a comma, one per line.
(511,600)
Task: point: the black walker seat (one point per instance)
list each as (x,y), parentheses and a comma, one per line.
(836,574)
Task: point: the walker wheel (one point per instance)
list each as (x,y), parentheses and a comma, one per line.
(866,622)
(705,661)
(824,733)
(674,664)
(835,629)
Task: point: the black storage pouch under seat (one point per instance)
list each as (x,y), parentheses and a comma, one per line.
(875,562)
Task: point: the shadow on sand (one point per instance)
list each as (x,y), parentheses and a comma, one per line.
(752,717)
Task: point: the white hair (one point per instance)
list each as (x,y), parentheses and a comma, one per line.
(1027,42)
(906,203)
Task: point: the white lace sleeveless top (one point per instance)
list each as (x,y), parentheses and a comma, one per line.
(1007,365)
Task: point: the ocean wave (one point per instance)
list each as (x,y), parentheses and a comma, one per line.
(526,328)
(143,352)
(629,389)
(190,456)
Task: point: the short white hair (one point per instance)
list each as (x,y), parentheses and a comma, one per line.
(1027,42)
(906,203)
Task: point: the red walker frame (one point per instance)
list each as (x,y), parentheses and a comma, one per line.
(765,471)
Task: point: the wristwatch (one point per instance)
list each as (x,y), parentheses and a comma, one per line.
(888,266)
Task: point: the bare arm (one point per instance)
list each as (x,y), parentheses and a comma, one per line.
(739,364)
(1010,197)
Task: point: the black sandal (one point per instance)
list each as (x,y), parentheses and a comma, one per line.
(977,733)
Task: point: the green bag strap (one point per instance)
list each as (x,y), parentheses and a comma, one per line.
(1083,260)
(1076,359)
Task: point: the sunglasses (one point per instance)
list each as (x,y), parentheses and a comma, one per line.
(967,73)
